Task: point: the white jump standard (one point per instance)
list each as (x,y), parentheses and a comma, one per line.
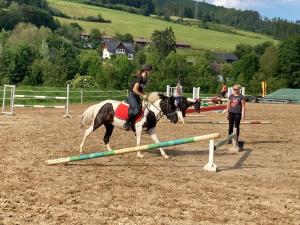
(211,166)
(14,96)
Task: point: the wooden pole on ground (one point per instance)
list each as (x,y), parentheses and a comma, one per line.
(133,149)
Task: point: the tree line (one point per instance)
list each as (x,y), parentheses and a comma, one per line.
(42,55)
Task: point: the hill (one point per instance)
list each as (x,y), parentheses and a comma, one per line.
(249,20)
(141,26)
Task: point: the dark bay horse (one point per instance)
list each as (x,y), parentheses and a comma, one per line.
(185,104)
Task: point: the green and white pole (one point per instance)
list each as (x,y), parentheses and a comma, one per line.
(133,149)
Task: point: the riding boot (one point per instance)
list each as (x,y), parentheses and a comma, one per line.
(129,123)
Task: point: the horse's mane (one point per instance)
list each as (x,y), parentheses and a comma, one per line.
(154,96)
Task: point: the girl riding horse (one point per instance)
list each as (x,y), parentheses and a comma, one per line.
(105,113)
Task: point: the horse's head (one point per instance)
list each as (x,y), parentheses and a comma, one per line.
(187,102)
(168,108)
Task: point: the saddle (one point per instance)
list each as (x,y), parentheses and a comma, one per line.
(122,112)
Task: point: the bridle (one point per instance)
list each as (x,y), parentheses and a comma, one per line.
(160,111)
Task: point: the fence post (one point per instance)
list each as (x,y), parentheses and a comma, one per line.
(67,103)
(81,96)
(168,91)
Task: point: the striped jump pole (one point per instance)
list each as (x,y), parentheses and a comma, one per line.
(133,149)
(211,166)
(242,122)
(247,122)
(207,109)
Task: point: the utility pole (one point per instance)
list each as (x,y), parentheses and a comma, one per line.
(196,9)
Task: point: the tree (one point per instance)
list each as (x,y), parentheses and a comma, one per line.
(172,68)
(268,62)
(95,38)
(242,49)
(71,32)
(164,41)
(261,48)
(124,37)
(289,61)
(117,73)
(16,61)
(38,17)
(245,68)
(140,57)
(89,63)
(28,33)
(63,58)
(202,76)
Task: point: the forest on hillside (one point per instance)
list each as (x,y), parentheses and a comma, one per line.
(248,19)
(37,50)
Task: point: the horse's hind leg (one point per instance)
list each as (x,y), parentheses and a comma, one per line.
(105,114)
(155,138)
(109,129)
(96,124)
(86,134)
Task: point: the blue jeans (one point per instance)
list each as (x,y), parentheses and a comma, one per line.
(134,102)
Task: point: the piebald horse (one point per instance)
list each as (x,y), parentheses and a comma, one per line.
(156,106)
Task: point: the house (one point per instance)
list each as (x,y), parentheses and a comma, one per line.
(141,42)
(227,57)
(107,38)
(182,45)
(113,47)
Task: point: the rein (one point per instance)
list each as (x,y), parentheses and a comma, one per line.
(160,113)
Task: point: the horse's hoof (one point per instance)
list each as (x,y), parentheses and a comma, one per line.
(166,156)
(140,156)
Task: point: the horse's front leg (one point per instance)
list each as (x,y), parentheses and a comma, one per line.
(180,116)
(155,138)
(138,140)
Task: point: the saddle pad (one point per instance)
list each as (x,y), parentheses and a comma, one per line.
(122,112)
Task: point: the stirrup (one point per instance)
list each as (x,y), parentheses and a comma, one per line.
(127,125)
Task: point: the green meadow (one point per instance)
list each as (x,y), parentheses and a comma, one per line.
(141,26)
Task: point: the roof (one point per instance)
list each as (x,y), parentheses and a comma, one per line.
(112,45)
(129,47)
(285,94)
(182,44)
(226,56)
(142,40)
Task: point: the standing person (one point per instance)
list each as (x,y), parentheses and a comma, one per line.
(223,90)
(136,93)
(178,99)
(178,93)
(235,110)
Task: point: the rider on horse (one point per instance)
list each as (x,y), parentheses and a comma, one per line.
(178,93)
(136,93)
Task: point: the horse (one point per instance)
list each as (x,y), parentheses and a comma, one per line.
(109,112)
(184,104)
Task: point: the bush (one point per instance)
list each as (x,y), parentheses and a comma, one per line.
(83,82)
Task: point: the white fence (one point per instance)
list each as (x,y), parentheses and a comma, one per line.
(13,97)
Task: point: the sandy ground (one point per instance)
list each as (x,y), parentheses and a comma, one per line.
(260,185)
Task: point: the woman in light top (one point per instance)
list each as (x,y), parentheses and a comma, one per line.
(235,109)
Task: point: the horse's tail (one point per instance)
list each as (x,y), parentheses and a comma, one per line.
(88,115)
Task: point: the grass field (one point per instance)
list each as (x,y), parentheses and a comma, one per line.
(77,95)
(141,26)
